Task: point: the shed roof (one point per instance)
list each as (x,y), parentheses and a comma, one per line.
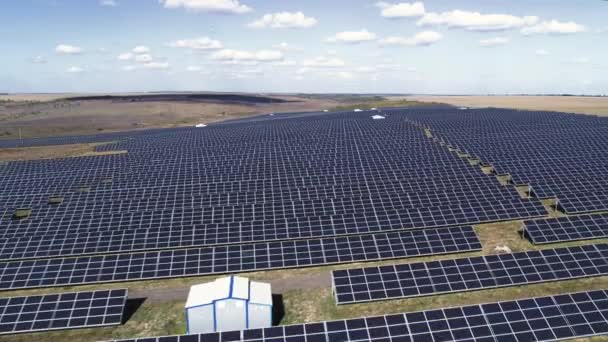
(260,293)
(228,287)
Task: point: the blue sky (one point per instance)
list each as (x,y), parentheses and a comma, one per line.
(436,46)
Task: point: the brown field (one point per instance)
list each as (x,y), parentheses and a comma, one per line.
(571,104)
(52,117)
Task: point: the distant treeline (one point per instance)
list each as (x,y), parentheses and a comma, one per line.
(235,98)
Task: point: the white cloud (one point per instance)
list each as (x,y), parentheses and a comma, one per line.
(401,10)
(194,68)
(424,38)
(284,20)
(302,71)
(475,21)
(541,52)
(366,69)
(141,49)
(287,47)
(347,75)
(108,3)
(581,60)
(39,60)
(214,6)
(65,49)
(247,56)
(143,58)
(494,41)
(201,43)
(75,70)
(324,62)
(352,37)
(156,65)
(129,67)
(554,27)
(127,56)
(285,63)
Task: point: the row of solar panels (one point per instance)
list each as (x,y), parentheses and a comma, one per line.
(558,155)
(547,318)
(235,258)
(469,274)
(62,311)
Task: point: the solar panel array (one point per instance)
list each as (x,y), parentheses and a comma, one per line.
(549,318)
(558,155)
(467,274)
(248,187)
(234,258)
(567,228)
(62,311)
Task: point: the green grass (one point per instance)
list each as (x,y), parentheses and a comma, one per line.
(377,102)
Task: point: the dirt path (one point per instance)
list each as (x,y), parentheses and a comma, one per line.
(312,281)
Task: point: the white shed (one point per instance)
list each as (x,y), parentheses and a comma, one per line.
(230,303)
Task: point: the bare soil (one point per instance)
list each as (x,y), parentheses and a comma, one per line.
(570,104)
(63,117)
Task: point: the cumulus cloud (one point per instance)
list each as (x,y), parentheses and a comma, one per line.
(419,39)
(285,63)
(494,41)
(581,60)
(401,10)
(213,6)
(541,52)
(75,70)
(128,67)
(194,68)
(127,56)
(143,58)
(66,49)
(287,47)
(156,65)
(39,60)
(201,43)
(352,37)
(324,62)
(284,20)
(108,3)
(347,75)
(554,27)
(247,56)
(366,69)
(475,21)
(141,49)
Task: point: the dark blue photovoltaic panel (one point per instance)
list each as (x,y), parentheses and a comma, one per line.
(550,318)
(567,228)
(269,178)
(62,311)
(467,274)
(236,258)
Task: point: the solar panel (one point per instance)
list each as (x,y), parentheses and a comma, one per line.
(467,274)
(567,228)
(235,258)
(62,311)
(271,179)
(549,318)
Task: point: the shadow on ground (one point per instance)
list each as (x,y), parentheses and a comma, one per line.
(131,308)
